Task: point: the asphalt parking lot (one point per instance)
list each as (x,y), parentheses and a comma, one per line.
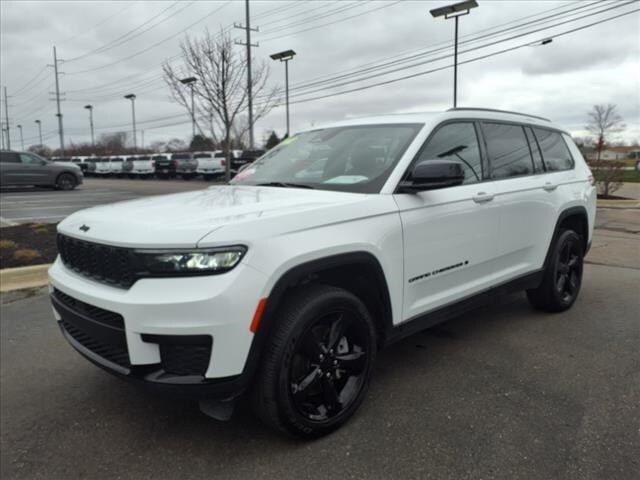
(22,205)
(504,392)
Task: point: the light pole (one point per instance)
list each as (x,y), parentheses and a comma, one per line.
(132,97)
(285,57)
(454,11)
(93,139)
(21,138)
(40,131)
(191,82)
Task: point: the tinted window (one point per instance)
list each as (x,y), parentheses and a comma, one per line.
(554,151)
(535,151)
(202,155)
(181,156)
(9,157)
(30,159)
(457,142)
(508,150)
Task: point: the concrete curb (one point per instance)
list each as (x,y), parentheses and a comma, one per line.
(23,277)
(618,204)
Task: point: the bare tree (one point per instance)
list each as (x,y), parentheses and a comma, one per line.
(220,92)
(609,176)
(604,122)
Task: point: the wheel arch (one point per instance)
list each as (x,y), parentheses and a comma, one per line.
(575,218)
(345,270)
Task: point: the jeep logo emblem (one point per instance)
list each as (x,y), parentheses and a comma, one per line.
(85,228)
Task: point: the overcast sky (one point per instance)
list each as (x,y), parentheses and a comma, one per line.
(560,80)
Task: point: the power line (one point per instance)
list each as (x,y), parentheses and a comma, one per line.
(152,46)
(122,39)
(315,17)
(99,24)
(475,59)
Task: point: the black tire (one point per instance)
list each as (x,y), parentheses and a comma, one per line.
(563,276)
(66,181)
(208,178)
(316,319)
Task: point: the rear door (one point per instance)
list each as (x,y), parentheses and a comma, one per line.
(450,234)
(527,210)
(9,168)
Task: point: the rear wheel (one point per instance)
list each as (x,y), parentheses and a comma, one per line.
(318,363)
(563,276)
(66,181)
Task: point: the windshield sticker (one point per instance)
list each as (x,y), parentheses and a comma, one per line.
(347,179)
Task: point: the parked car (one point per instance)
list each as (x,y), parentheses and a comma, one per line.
(115,165)
(185,165)
(246,157)
(284,285)
(102,167)
(209,166)
(24,168)
(139,166)
(81,162)
(165,167)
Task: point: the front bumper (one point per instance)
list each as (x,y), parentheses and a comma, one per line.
(156,321)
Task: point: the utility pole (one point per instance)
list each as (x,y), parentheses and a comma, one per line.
(142,134)
(59,114)
(6,118)
(1,136)
(248,44)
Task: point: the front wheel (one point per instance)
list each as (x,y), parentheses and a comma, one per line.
(563,276)
(317,366)
(66,181)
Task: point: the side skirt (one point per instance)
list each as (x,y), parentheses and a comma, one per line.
(447,312)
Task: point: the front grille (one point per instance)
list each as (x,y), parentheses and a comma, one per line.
(114,353)
(111,265)
(104,317)
(185,359)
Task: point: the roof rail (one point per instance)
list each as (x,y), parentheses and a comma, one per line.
(498,111)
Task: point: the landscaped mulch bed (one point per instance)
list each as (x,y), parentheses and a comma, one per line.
(27,244)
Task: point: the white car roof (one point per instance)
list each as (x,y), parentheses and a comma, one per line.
(431,119)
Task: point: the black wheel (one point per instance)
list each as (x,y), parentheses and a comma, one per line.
(66,181)
(563,277)
(208,178)
(317,365)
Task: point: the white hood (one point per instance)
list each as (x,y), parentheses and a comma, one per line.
(183,219)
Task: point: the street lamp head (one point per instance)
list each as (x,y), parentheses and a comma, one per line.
(455,8)
(88,107)
(188,80)
(546,41)
(283,56)
(130,96)
(38,121)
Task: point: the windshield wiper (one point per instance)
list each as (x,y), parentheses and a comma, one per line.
(284,185)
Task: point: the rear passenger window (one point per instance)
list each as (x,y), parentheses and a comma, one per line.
(555,152)
(535,151)
(508,150)
(456,142)
(9,157)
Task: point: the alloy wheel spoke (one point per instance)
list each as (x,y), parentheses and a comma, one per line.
(573,282)
(337,331)
(573,261)
(353,362)
(308,381)
(562,281)
(311,346)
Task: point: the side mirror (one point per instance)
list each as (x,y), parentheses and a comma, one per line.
(433,174)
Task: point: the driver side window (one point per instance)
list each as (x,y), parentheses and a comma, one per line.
(27,159)
(456,142)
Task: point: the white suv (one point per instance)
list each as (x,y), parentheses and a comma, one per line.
(339,241)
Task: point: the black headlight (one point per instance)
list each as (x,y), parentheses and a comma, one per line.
(200,261)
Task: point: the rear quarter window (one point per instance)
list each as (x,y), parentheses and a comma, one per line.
(555,152)
(508,150)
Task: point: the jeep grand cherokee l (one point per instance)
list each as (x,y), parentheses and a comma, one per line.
(339,241)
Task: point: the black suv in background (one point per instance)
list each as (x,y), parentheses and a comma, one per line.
(165,166)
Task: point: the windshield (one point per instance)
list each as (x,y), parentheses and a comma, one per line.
(351,159)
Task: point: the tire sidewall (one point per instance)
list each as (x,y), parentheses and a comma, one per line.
(313,311)
(562,240)
(69,187)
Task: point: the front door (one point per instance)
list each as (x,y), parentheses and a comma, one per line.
(450,234)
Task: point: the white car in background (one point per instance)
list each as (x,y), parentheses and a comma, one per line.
(139,166)
(209,166)
(101,166)
(116,164)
